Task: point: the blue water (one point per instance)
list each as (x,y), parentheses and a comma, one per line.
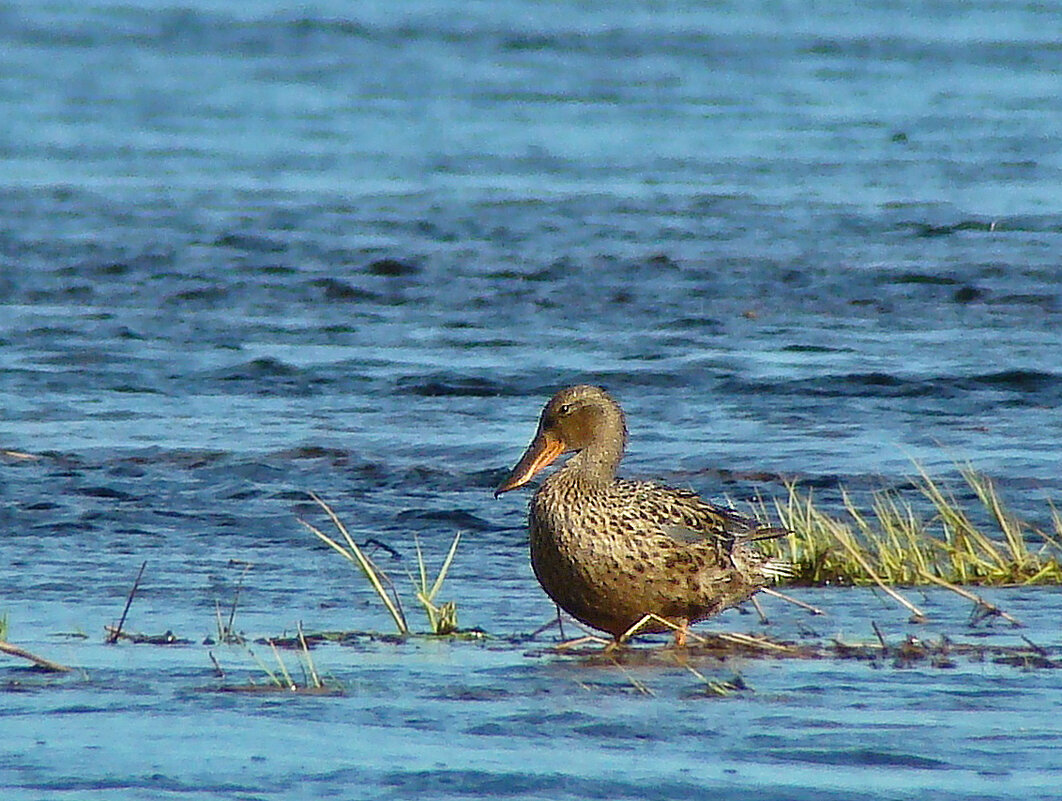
(252,250)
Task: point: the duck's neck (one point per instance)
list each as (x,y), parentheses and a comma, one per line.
(594,467)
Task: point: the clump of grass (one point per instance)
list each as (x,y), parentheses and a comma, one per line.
(441,618)
(897,544)
(311,678)
(280,679)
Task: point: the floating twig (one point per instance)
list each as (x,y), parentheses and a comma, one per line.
(383,546)
(1034,646)
(880,636)
(218,671)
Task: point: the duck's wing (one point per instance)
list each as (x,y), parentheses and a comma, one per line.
(750,531)
(740,526)
(687,518)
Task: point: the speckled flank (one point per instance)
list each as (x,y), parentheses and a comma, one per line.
(611,551)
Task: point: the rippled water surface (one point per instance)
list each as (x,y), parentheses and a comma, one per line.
(251,251)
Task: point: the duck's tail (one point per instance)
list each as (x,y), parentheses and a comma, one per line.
(773,568)
(776,569)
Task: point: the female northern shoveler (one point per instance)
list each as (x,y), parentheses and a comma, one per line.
(614,553)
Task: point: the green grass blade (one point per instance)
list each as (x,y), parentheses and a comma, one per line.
(354,554)
(445,567)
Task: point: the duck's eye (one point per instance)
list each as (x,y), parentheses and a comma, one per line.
(564,410)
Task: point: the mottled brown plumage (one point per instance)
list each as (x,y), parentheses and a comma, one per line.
(611,551)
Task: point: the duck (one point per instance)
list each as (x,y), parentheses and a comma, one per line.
(629,557)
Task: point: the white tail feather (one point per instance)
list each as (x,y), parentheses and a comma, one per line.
(777,569)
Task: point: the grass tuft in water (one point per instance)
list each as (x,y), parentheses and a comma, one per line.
(895,544)
(280,679)
(442,618)
(354,554)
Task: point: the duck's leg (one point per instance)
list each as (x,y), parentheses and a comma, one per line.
(681,630)
(564,646)
(557,622)
(587,638)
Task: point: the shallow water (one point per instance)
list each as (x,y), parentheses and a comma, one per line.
(250,252)
(458,719)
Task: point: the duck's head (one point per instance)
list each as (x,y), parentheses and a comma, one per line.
(582,418)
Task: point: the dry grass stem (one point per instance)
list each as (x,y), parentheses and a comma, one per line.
(791,600)
(652,618)
(288,681)
(315,678)
(981,603)
(586,638)
(637,683)
(39,661)
(749,641)
(116,631)
(855,554)
(226,629)
(265,669)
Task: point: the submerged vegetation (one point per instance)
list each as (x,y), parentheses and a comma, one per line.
(899,544)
